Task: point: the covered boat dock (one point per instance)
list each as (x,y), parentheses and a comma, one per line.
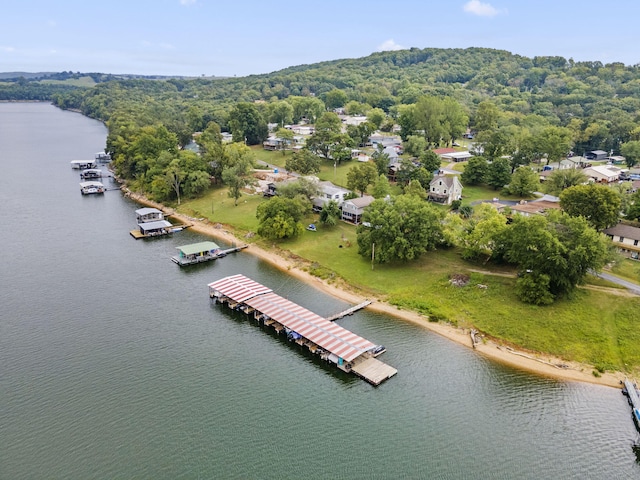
(348,351)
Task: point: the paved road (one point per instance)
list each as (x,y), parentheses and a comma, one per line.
(634,287)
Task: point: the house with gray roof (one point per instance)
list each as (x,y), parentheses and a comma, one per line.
(626,238)
(445,189)
(353,208)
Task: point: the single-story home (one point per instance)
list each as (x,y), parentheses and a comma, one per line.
(353,208)
(603,173)
(444,189)
(535,207)
(626,238)
(328,192)
(456,156)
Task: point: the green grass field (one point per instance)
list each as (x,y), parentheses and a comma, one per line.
(592,326)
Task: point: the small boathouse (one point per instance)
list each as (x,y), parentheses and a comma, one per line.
(202,252)
(88,188)
(348,351)
(148,215)
(152,229)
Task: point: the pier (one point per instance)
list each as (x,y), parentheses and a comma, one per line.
(346,350)
(349,311)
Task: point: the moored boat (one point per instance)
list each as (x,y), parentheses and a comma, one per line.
(91,173)
(83,164)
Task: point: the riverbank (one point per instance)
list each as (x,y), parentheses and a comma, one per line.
(537,363)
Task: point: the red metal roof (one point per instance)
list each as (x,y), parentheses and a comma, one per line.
(238,288)
(328,335)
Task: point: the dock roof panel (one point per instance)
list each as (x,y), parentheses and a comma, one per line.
(147,211)
(154,225)
(328,335)
(238,288)
(200,247)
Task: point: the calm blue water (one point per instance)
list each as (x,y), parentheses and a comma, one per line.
(113,363)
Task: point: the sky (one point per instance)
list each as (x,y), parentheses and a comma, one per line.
(244,37)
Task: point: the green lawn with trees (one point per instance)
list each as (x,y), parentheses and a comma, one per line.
(519,110)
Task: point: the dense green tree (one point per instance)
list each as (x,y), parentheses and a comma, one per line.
(415,145)
(304,162)
(633,213)
(237,174)
(498,173)
(376,116)
(486,117)
(524,182)
(631,152)
(484,226)
(360,133)
(335,98)
(327,135)
(400,229)
(280,112)
(557,251)
(280,218)
(360,176)
(247,124)
(381,187)
(286,139)
(309,108)
(381,160)
(553,142)
(303,188)
(415,188)
(430,161)
(475,171)
(559,180)
(330,213)
(598,204)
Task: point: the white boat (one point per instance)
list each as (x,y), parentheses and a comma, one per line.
(88,188)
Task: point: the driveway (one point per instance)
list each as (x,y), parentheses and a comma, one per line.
(633,287)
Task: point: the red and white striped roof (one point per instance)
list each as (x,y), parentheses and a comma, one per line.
(328,335)
(238,288)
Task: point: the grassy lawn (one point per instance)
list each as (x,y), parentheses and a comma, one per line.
(627,269)
(592,326)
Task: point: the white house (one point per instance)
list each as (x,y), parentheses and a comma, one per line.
(626,238)
(353,208)
(328,192)
(445,189)
(603,173)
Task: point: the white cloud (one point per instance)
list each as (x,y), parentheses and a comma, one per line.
(7,49)
(476,7)
(188,2)
(389,45)
(52,23)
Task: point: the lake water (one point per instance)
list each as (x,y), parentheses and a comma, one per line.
(114,364)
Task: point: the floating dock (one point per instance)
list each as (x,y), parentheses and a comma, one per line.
(202,252)
(156,229)
(349,311)
(631,391)
(348,351)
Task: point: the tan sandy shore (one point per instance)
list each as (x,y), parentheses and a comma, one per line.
(540,364)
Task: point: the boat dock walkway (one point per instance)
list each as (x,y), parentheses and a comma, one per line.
(346,350)
(349,311)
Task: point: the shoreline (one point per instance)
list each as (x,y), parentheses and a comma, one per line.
(536,363)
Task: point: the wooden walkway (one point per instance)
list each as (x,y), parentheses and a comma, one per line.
(373,370)
(350,311)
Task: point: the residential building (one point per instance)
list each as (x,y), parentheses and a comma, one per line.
(353,208)
(444,189)
(626,238)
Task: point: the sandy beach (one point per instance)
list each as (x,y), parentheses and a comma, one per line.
(537,363)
